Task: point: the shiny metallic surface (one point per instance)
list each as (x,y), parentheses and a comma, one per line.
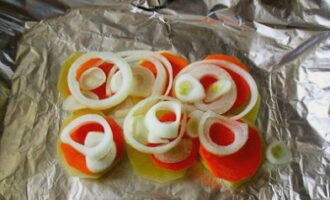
(286,46)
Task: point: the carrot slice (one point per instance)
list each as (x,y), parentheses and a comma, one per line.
(243,90)
(239,166)
(184,164)
(91,63)
(77,160)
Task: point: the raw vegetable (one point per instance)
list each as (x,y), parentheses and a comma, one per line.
(83,63)
(239,130)
(76,161)
(189,89)
(239,166)
(278,153)
(136,115)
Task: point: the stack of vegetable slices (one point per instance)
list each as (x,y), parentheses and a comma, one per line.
(170,113)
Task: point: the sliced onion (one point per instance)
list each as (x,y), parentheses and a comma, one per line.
(71,104)
(178,153)
(193,123)
(108,91)
(92,78)
(227,100)
(278,153)
(116,81)
(245,75)
(160,130)
(107,102)
(139,110)
(217,89)
(240,131)
(188,89)
(98,165)
(161,63)
(143,82)
(96,152)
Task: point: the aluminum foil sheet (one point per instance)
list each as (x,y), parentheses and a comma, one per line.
(289,61)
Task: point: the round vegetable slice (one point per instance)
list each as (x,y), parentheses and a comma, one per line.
(201,70)
(240,131)
(182,156)
(160,131)
(239,166)
(242,73)
(74,161)
(188,89)
(278,153)
(97,151)
(242,86)
(77,69)
(134,118)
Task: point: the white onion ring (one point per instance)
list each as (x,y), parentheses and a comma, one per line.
(110,101)
(96,152)
(137,110)
(195,94)
(284,156)
(161,130)
(226,101)
(99,165)
(240,131)
(245,75)
(154,57)
(92,78)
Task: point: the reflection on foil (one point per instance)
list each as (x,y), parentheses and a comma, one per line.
(290,65)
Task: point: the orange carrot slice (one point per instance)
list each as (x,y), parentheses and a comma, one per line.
(243,90)
(239,166)
(77,160)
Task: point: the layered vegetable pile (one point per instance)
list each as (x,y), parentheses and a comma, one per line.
(166,112)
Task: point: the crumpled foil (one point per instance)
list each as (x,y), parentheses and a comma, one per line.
(286,45)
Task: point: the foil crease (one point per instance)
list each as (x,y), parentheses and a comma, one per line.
(288,55)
